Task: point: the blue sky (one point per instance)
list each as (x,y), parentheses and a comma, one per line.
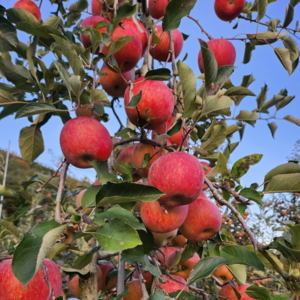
(264,66)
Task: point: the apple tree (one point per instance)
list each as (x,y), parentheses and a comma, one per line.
(151,224)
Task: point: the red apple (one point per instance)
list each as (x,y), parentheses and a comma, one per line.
(170,285)
(178,241)
(87,210)
(160,219)
(113,83)
(223,274)
(227,291)
(105,268)
(206,170)
(185,267)
(36,289)
(223,50)
(177,137)
(146,275)
(130,54)
(84,139)
(135,290)
(161,51)
(203,220)
(164,253)
(137,157)
(97,7)
(162,239)
(85,110)
(155,108)
(227,10)
(125,156)
(74,283)
(91,21)
(30,6)
(142,34)
(96,182)
(179,175)
(157,8)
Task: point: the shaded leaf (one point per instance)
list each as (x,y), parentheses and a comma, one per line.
(209,64)
(285,59)
(258,292)
(292,120)
(264,38)
(161,74)
(10,227)
(273,127)
(89,196)
(289,183)
(34,108)
(249,47)
(135,100)
(241,166)
(238,91)
(251,194)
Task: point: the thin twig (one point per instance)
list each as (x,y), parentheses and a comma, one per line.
(116,115)
(59,3)
(227,189)
(222,201)
(61,191)
(48,180)
(141,280)
(51,292)
(202,29)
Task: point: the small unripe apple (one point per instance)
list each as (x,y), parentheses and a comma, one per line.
(203,220)
(30,6)
(91,21)
(157,8)
(113,83)
(84,139)
(179,175)
(223,51)
(160,219)
(161,51)
(155,108)
(228,10)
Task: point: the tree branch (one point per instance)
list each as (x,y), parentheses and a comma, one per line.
(51,292)
(202,29)
(141,280)
(61,191)
(116,115)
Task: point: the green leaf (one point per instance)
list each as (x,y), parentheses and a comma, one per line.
(209,64)
(103,174)
(116,235)
(135,100)
(189,85)
(284,102)
(6,98)
(223,75)
(8,35)
(241,166)
(289,16)
(247,80)
(175,128)
(216,105)
(31,143)
(285,59)
(286,168)
(247,116)
(264,38)
(295,231)
(125,215)
(161,74)
(34,108)
(157,295)
(118,44)
(240,255)
(289,183)
(261,9)
(205,267)
(292,119)
(57,248)
(125,11)
(112,193)
(251,194)
(216,138)
(238,91)
(71,55)
(239,272)
(99,95)
(273,127)
(219,168)
(249,47)
(33,248)
(10,227)
(290,44)
(16,15)
(289,253)
(21,211)
(258,292)
(175,11)
(5,191)
(262,97)
(89,196)
(85,259)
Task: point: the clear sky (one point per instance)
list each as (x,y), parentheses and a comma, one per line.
(264,66)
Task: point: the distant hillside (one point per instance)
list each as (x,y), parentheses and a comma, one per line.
(18,171)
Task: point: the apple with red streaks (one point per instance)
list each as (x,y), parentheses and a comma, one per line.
(155,107)
(29,6)
(223,51)
(162,219)
(203,220)
(179,175)
(36,289)
(228,10)
(157,8)
(84,139)
(161,52)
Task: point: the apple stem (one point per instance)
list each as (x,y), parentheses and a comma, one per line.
(116,115)
(60,191)
(141,280)
(202,29)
